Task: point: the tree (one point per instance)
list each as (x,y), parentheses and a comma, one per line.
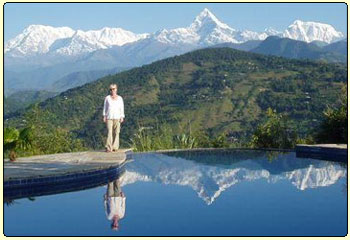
(334,127)
(275,132)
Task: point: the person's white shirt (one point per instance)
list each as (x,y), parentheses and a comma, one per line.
(115,206)
(113,108)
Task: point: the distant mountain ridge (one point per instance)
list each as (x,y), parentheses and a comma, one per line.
(340,47)
(246,46)
(289,48)
(23,99)
(78,79)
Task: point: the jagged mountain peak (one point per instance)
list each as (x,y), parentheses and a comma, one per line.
(207,18)
(271,31)
(297,21)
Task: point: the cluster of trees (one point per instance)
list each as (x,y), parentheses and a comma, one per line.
(278,131)
(334,127)
(37,137)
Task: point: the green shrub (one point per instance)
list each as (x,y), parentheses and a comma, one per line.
(276,132)
(149,139)
(334,127)
(220,141)
(16,141)
(185,141)
(39,137)
(308,140)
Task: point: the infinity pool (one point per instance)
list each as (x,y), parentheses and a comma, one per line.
(196,193)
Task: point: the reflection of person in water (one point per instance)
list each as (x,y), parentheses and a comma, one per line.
(114,201)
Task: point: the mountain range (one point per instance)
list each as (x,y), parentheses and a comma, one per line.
(205,30)
(41,55)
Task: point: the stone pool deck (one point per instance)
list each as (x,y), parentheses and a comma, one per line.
(61,168)
(330,152)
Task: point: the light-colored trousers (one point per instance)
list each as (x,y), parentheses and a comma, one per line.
(113,189)
(113,127)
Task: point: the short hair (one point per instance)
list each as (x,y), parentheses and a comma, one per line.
(113,85)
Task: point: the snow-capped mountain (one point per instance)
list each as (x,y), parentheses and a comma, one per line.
(209,181)
(312,31)
(205,30)
(90,41)
(36,39)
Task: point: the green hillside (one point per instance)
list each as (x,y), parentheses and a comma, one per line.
(22,99)
(211,90)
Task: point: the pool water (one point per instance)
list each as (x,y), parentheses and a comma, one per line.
(196,193)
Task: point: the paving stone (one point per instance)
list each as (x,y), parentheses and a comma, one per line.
(62,164)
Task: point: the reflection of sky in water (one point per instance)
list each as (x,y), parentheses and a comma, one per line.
(238,193)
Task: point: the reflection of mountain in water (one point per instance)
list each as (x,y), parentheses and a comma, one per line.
(210,173)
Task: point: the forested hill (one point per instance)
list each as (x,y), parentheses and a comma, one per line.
(214,90)
(289,48)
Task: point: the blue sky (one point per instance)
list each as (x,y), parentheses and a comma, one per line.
(150,17)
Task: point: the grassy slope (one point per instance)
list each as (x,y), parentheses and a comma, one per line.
(217,90)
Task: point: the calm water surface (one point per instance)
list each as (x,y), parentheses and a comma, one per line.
(237,193)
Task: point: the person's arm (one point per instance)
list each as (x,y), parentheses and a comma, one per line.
(105,105)
(105,204)
(121,206)
(122,110)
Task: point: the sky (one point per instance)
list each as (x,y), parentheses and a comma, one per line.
(151,17)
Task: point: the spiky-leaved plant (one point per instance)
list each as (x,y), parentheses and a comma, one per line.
(15,140)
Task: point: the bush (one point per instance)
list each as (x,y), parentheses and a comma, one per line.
(149,139)
(274,133)
(57,141)
(334,127)
(16,141)
(220,141)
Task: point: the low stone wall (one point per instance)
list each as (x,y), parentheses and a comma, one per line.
(39,186)
(330,152)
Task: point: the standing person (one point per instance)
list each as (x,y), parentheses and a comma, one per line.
(113,116)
